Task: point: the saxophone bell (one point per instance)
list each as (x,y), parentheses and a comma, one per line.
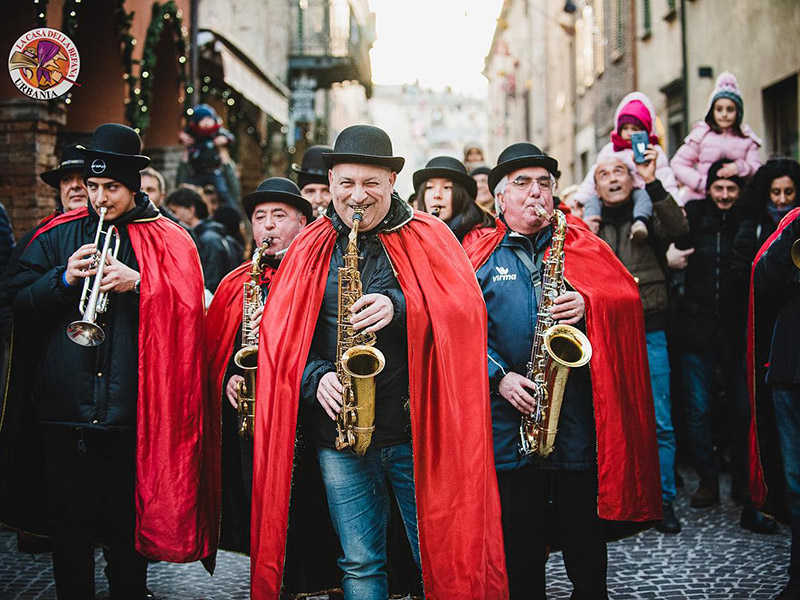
(358,360)
(247,357)
(557,348)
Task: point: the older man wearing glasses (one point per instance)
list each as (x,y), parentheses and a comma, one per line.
(605,461)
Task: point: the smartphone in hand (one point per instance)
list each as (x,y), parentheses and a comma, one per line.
(639,142)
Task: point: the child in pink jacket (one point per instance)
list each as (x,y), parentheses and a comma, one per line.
(721,135)
(634,113)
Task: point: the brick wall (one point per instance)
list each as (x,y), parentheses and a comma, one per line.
(28,142)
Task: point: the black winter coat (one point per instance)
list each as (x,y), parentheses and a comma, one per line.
(751,236)
(776,280)
(392,419)
(712,304)
(217,255)
(77,386)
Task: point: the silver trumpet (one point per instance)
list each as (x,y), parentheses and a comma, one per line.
(87,332)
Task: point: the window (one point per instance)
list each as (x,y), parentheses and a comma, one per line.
(584,49)
(598,31)
(618,31)
(647,19)
(780,117)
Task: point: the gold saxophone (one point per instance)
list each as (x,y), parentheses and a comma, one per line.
(556,349)
(358,361)
(247,357)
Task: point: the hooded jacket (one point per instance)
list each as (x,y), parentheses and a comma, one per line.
(703,147)
(663,171)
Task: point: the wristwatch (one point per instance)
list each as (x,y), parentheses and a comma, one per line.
(136,285)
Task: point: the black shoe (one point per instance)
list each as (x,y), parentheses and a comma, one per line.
(669,522)
(758,522)
(790,592)
(707,493)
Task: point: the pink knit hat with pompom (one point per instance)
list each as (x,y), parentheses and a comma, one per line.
(727,87)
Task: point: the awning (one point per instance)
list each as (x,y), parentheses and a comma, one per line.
(245,77)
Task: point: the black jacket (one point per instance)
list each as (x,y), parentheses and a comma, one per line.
(392,419)
(751,236)
(77,386)
(776,280)
(712,304)
(217,255)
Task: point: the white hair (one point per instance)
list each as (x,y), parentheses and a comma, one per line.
(500,188)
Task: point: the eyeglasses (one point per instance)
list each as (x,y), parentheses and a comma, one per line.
(524,184)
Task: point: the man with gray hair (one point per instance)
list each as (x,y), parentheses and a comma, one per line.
(646,261)
(604,419)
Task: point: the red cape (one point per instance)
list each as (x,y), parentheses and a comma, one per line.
(627,451)
(178,431)
(758,486)
(223,320)
(458,507)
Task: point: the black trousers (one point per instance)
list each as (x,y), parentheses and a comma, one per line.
(90,486)
(524,498)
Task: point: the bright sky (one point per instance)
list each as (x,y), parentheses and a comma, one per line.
(438,42)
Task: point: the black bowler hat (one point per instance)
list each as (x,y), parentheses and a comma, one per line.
(366,145)
(312,169)
(516,156)
(72,160)
(113,152)
(277,189)
(482,170)
(448,168)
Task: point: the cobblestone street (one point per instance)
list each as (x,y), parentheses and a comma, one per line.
(712,558)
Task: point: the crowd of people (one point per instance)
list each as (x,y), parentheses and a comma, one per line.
(447,388)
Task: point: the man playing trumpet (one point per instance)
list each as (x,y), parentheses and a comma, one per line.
(118,464)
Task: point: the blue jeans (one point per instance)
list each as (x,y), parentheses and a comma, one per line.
(358,500)
(786,399)
(697,371)
(658,359)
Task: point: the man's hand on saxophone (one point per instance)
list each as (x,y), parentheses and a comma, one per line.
(256,320)
(568,308)
(514,388)
(372,312)
(230,389)
(329,394)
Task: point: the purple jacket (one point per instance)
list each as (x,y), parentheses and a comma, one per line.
(703,147)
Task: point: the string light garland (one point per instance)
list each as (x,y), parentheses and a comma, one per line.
(40,8)
(122,21)
(138,103)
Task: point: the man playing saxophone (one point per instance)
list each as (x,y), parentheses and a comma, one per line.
(278,213)
(116,455)
(399,283)
(603,424)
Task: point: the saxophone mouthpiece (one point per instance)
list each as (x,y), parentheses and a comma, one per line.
(541,212)
(436,212)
